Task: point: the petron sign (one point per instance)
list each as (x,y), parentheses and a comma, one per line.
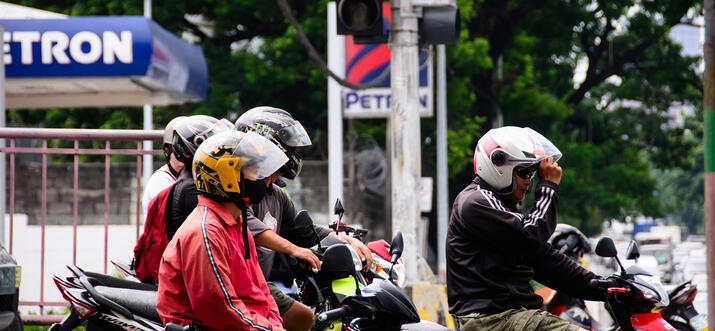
(89,46)
(133,56)
(366,62)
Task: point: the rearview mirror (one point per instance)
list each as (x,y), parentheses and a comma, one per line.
(303,220)
(632,253)
(338,209)
(606,248)
(396,247)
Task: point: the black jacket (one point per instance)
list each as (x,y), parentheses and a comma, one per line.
(277,212)
(493,251)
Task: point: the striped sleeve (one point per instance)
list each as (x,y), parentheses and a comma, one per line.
(541,221)
(485,217)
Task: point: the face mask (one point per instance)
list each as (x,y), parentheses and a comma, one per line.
(255,190)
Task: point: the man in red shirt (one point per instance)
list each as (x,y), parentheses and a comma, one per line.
(209,274)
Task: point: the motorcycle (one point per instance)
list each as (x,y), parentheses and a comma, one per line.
(633,297)
(379,250)
(341,297)
(102,302)
(681,313)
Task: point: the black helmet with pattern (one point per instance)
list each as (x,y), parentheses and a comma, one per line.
(282,129)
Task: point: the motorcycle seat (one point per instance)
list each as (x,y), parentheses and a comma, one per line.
(137,301)
(112,281)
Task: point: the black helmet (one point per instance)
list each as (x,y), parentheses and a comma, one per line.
(570,241)
(169,136)
(190,132)
(279,127)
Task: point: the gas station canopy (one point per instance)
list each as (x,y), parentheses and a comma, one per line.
(98,61)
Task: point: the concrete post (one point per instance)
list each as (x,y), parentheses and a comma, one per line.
(336,63)
(148,160)
(404,123)
(442,188)
(3,198)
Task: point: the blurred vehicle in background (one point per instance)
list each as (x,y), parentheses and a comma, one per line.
(664,257)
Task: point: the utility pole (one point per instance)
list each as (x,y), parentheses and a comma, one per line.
(3,113)
(404,125)
(709,137)
(442,188)
(148,166)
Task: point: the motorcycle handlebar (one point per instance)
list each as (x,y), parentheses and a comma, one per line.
(602,283)
(333,314)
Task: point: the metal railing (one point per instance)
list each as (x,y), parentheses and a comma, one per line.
(75,135)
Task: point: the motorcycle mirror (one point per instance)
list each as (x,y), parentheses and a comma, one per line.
(303,220)
(606,248)
(396,247)
(338,209)
(632,253)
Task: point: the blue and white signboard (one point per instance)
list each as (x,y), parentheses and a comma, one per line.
(132,54)
(366,62)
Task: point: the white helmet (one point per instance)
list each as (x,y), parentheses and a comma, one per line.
(501,150)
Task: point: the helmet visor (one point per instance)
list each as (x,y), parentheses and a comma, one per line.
(543,147)
(259,157)
(294,136)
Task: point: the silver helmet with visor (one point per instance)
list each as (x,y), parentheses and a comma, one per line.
(503,151)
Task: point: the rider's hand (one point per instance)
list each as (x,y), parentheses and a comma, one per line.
(549,170)
(307,256)
(362,250)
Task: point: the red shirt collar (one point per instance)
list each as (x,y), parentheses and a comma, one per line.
(220,210)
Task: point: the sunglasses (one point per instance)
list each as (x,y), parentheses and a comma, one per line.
(526,173)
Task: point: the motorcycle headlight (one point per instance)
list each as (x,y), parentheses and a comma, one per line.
(398,274)
(652,289)
(356,258)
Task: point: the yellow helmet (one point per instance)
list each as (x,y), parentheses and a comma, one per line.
(228,161)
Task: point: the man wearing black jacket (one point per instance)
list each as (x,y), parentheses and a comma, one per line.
(494,251)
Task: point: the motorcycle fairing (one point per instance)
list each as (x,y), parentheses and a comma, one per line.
(345,286)
(650,322)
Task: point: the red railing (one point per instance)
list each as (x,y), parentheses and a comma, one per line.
(75,135)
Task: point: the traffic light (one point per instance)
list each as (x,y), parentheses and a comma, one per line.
(360,18)
(439,25)
(363,19)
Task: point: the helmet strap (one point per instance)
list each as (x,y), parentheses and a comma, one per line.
(244,221)
(173,171)
(244,232)
(531,186)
